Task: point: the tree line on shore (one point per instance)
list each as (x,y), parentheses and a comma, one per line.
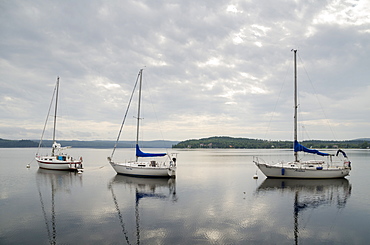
(222,142)
(102,144)
(246,143)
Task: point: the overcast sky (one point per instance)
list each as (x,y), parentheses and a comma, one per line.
(211,68)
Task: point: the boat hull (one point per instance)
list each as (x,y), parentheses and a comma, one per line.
(143,171)
(60,165)
(273,171)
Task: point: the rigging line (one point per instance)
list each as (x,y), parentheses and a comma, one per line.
(137,218)
(277,101)
(28,165)
(53,225)
(322,108)
(156,116)
(120,216)
(47,117)
(44,214)
(334,221)
(308,219)
(124,118)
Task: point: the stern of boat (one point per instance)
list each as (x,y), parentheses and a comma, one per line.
(172,172)
(172,169)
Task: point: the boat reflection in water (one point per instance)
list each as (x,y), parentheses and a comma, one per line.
(310,194)
(49,183)
(144,188)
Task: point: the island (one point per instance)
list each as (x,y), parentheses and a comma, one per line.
(225,142)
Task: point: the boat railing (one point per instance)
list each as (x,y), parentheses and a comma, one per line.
(151,163)
(259,160)
(75,166)
(256,160)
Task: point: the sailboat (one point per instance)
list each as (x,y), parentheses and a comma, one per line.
(150,166)
(311,169)
(58,160)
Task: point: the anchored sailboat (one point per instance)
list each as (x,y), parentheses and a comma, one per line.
(315,169)
(58,160)
(146,168)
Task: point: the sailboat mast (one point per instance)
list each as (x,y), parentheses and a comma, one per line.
(295,103)
(55,113)
(138,109)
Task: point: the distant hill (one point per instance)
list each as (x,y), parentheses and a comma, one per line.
(110,144)
(361,139)
(211,142)
(17,143)
(87,144)
(246,143)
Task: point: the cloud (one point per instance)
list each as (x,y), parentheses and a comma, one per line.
(210,68)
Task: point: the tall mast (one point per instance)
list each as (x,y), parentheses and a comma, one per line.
(55,113)
(138,109)
(295,103)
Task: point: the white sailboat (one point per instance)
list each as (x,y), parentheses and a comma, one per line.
(312,169)
(150,166)
(58,160)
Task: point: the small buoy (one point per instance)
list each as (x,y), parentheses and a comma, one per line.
(28,166)
(255,176)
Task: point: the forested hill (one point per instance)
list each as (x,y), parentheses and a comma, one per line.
(17,143)
(87,144)
(245,143)
(211,142)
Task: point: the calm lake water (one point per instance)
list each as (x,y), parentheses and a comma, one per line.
(213,200)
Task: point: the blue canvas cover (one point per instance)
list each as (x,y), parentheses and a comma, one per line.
(139,153)
(299,147)
(140,195)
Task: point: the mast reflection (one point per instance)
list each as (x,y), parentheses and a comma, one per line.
(310,194)
(49,183)
(151,188)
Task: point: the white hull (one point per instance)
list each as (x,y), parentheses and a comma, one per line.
(55,164)
(302,172)
(144,170)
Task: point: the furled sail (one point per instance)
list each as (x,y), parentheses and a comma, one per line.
(139,153)
(299,147)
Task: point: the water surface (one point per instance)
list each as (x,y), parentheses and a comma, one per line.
(213,200)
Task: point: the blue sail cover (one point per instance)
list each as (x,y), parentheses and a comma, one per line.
(139,153)
(299,147)
(140,195)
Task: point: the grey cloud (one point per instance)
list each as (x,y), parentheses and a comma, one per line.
(212,66)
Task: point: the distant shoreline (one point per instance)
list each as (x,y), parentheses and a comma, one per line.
(217,142)
(96,144)
(225,142)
